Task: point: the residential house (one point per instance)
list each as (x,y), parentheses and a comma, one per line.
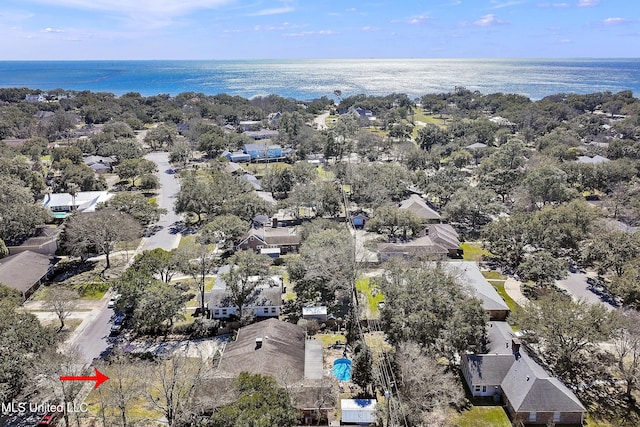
(283,351)
(267,196)
(249,125)
(420,248)
(261,134)
(506,372)
(358,411)
(253,181)
(264,302)
(469,274)
(592,160)
(237,156)
(100,164)
(262,151)
(26,271)
(283,238)
(44,241)
(61,204)
(35,98)
(437,242)
(446,236)
(359,220)
(315,313)
(234,169)
(274,118)
(421,208)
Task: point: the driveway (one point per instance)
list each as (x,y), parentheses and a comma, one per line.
(577,286)
(320,121)
(167,235)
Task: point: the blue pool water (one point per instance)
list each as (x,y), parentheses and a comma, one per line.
(342,369)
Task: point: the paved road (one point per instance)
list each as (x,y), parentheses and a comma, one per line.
(576,284)
(94,340)
(168,235)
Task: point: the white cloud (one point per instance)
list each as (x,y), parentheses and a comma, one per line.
(369,29)
(51,30)
(282,27)
(311,33)
(616,21)
(455,3)
(588,3)
(126,7)
(488,20)
(566,41)
(500,5)
(418,20)
(351,9)
(273,11)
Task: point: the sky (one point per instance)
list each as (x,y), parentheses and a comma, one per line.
(279,29)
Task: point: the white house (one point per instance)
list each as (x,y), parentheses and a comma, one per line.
(358,411)
(61,204)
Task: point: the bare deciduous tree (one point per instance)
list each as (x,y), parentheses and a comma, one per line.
(172,385)
(62,301)
(118,396)
(425,405)
(99,231)
(627,350)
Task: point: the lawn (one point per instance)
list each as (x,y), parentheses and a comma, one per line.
(326,175)
(92,290)
(482,416)
(473,251)
(259,169)
(187,240)
(330,339)
(372,293)
(493,275)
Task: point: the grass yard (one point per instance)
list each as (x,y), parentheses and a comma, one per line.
(259,169)
(92,290)
(187,240)
(494,275)
(473,251)
(372,293)
(481,416)
(325,175)
(330,339)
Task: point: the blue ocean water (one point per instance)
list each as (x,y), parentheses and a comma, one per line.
(306,79)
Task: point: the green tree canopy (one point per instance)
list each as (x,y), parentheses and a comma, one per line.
(426,306)
(223,229)
(146,211)
(565,329)
(260,402)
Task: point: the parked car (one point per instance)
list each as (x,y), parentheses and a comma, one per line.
(118,320)
(112,302)
(49,419)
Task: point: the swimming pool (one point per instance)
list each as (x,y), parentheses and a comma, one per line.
(342,369)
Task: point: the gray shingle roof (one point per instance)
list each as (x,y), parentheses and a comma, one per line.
(469,273)
(530,388)
(488,369)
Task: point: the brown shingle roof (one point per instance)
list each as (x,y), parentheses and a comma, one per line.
(282,349)
(418,206)
(23,270)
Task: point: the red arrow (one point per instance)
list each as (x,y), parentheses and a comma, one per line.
(99,378)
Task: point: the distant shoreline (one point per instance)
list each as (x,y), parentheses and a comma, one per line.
(306,79)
